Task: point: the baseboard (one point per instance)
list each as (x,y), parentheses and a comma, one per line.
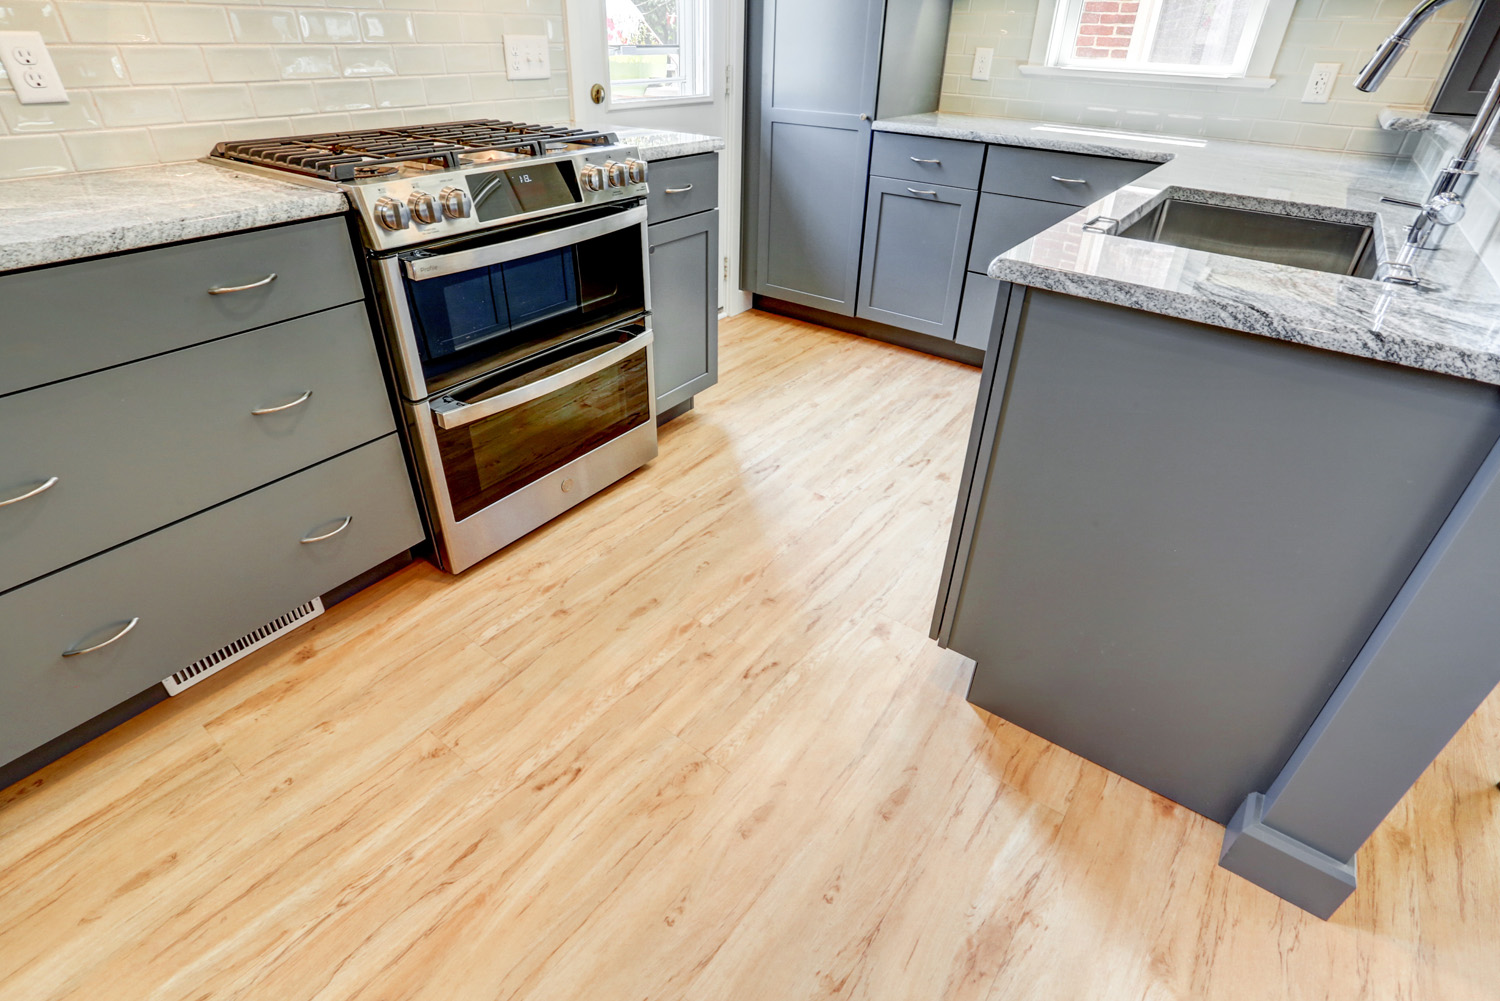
(925,343)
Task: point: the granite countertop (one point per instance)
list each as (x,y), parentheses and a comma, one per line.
(63,217)
(1450,325)
(660,144)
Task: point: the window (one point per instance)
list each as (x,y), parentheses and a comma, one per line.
(658,49)
(1203,38)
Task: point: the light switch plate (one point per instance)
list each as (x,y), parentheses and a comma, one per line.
(527,58)
(29,66)
(984,58)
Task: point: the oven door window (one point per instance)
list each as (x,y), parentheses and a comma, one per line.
(493,456)
(463,318)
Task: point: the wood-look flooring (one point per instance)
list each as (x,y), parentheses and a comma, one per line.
(691,741)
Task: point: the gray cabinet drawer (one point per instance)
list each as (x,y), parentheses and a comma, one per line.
(1058,177)
(683,186)
(920,158)
(194,587)
(977,314)
(77,318)
(912,272)
(685,306)
(1003,222)
(145,444)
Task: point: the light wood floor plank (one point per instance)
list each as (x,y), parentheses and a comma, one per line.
(691,741)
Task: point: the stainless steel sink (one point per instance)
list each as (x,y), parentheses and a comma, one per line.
(1336,247)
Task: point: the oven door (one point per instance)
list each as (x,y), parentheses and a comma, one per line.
(458,310)
(503,455)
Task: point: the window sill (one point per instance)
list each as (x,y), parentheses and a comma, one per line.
(1124,76)
(659,102)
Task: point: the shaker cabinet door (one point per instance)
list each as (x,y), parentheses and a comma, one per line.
(684,306)
(916,241)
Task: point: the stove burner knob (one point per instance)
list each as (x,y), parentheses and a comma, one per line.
(456,203)
(392,214)
(617,173)
(424,208)
(593,178)
(637,169)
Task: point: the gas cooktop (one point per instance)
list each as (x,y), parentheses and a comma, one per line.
(415,184)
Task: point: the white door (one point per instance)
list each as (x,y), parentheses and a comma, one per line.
(665,64)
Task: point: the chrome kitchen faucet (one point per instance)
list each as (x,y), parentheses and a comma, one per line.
(1445,202)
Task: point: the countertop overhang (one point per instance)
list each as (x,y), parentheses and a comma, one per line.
(1449,325)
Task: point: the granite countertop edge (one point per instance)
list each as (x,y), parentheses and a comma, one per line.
(1451,327)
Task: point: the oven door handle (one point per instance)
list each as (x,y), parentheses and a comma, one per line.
(418,269)
(448,420)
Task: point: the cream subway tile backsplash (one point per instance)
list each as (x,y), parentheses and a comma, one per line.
(1321,31)
(165,80)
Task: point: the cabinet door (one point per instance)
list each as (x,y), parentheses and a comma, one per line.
(811,105)
(684,306)
(982,294)
(1004,221)
(915,242)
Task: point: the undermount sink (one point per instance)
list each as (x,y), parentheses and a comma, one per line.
(1335,247)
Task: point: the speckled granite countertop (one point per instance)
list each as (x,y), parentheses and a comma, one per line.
(657,144)
(63,217)
(1452,327)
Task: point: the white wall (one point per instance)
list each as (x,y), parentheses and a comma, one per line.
(1321,31)
(156,82)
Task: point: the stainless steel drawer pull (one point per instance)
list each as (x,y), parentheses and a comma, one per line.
(1069,180)
(678,191)
(226,289)
(43,488)
(79,651)
(915,159)
(285,406)
(328,535)
(918,191)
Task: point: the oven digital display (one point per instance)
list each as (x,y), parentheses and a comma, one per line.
(503,193)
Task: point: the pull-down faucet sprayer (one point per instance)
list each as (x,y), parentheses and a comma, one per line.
(1445,203)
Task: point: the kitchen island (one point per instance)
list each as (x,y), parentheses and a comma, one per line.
(1229,527)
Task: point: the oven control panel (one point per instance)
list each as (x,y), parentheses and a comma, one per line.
(406,210)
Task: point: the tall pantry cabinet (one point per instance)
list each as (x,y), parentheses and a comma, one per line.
(818,74)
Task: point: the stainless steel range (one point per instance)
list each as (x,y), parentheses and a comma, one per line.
(509,262)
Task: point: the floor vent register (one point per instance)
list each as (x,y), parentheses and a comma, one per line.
(242,647)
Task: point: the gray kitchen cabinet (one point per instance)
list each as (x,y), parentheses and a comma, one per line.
(1003,222)
(977,315)
(75,318)
(916,238)
(190,445)
(1473,65)
(191,588)
(818,76)
(683,234)
(140,445)
(1074,178)
(685,306)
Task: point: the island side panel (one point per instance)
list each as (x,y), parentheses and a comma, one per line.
(1182,536)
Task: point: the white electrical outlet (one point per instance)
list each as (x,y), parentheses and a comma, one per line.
(526,57)
(29,66)
(983,60)
(1320,83)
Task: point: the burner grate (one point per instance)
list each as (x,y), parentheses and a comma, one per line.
(343,156)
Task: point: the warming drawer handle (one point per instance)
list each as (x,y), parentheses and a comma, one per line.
(226,289)
(1069,180)
(263,411)
(918,191)
(448,420)
(678,191)
(917,159)
(42,488)
(80,651)
(348,520)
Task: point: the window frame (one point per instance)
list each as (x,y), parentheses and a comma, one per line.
(1047,39)
(694,35)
